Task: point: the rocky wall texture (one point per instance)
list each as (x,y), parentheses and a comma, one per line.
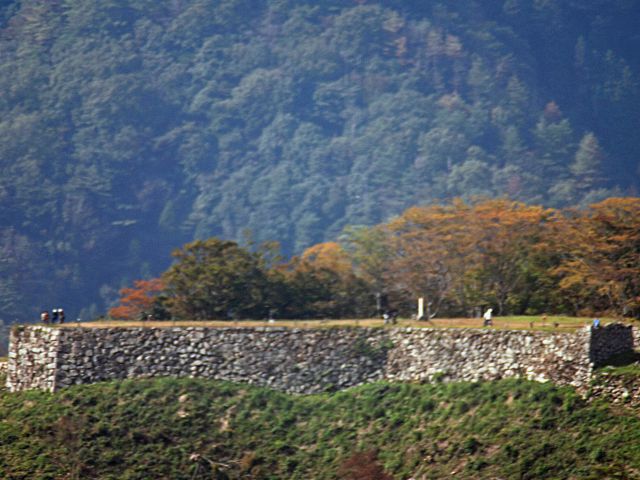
(293,360)
(636,339)
(475,355)
(302,360)
(617,389)
(33,358)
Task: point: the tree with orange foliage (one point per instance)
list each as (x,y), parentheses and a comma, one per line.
(328,255)
(464,256)
(600,270)
(507,239)
(321,283)
(429,255)
(139,300)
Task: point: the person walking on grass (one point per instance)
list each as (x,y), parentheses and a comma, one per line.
(487,317)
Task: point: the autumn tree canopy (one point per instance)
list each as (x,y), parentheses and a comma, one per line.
(139,301)
(461,257)
(600,268)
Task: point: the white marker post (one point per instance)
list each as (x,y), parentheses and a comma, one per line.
(420,308)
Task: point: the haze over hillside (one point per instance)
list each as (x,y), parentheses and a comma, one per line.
(129,127)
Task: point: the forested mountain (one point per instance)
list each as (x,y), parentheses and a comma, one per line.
(128,127)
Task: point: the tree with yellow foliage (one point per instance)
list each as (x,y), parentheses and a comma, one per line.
(600,268)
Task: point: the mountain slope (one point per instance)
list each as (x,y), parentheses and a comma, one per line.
(129,127)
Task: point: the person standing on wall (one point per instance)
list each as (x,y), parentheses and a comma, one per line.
(60,315)
(54,316)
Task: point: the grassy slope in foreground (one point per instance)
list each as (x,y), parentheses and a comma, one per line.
(149,429)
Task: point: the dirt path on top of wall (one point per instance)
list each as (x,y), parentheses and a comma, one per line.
(507,323)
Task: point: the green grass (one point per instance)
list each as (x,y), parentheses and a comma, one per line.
(626,366)
(149,429)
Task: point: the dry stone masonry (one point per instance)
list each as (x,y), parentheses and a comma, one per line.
(306,360)
(32,358)
(475,355)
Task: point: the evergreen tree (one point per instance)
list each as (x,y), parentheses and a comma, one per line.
(588,162)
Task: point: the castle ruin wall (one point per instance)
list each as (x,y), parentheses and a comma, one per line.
(305,360)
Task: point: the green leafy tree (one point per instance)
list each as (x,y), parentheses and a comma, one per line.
(370,253)
(553,146)
(472,178)
(216,279)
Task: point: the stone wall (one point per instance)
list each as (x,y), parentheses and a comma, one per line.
(293,360)
(615,388)
(474,355)
(33,358)
(609,341)
(636,339)
(305,360)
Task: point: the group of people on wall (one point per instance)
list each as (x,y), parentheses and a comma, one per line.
(57,316)
(391,317)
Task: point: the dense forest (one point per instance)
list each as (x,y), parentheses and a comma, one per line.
(130,127)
